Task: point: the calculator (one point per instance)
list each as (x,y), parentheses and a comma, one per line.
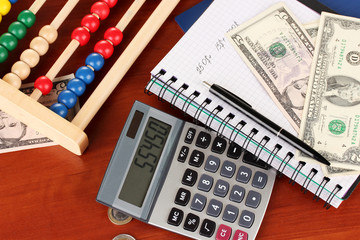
(185,178)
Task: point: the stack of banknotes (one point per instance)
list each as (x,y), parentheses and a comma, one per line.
(312,73)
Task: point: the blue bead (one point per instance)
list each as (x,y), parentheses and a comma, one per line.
(95,60)
(76,86)
(85,74)
(59,109)
(68,98)
(12,1)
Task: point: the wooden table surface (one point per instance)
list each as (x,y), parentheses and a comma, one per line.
(49,193)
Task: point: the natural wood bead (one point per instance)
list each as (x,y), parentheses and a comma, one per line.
(21,69)
(30,57)
(49,33)
(40,45)
(13,79)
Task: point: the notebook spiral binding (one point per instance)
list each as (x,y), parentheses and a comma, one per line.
(236,130)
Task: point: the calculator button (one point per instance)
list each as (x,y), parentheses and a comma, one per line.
(175,217)
(189,137)
(237,193)
(221,188)
(259,180)
(207,228)
(182,197)
(244,174)
(205,183)
(240,235)
(219,145)
(234,150)
(214,208)
(230,213)
(246,219)
(184,151)
(191,222)
(212,164)
(203,140)
(198,203)
(189,177)
(223,233)
(228,169)
(253,199)
(196,158)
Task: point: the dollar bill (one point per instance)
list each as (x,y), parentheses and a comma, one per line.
(331,117)
(312,29)
(16,136)
(279,52)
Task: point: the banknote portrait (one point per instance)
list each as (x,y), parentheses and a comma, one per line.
(11,130)
(342,91)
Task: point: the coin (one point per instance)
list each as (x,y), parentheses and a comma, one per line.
(118,217)
(124,237)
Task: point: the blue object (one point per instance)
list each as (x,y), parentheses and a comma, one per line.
(76,86)
(68,98)
(12,1)
(59,109)
(344,7)
(85,74)
(95,60)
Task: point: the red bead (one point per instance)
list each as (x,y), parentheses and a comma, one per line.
(44,84)
(110,3)
(114,35)
(101,9)
(90,22)
(104,48)
(81,35)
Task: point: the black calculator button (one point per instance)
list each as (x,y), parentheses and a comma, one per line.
(228,169)
(234,151)
(175,217)
(212,164)
(253,199)
(230,213)
(219,145)
(214,208)
(260,180)
(189,177)
(182,197)
(184,151)
(207,228)
(196,158)
(191,222)
(237,193)
(190,135)
(205,183)
(203,140)
(221,188)
(244,174)
(198,203)
(246,219)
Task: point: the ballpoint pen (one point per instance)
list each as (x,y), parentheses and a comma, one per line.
(245,108)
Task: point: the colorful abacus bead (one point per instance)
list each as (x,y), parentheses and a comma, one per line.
(44,84)
(5,6)
(95,61)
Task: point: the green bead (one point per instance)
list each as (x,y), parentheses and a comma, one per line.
(8,41)
(4,53)
(17,29)
(27,18)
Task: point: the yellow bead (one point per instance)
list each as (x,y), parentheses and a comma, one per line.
(5,7)
(40,45)
(0,18)
(49,33)
(13,80)
(21,69)
(30,57)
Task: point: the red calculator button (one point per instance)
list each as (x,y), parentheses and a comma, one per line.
(223,233)
(240,235)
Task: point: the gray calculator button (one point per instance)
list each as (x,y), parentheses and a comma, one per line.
(244,174)
(230,213)
(214,208)
(228,169)
(246,219)
(221,188)
(260,180)
(198,203)
(253,199)
(237,194)
(212,164)
(205,183)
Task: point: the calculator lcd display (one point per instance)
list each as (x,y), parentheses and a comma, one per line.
(144,163)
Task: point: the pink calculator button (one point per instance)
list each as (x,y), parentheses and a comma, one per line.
(223,233)
(240,235)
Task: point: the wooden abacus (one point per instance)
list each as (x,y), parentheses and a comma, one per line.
(70,135)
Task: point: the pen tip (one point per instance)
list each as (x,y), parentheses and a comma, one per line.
(206,84)
(321,159)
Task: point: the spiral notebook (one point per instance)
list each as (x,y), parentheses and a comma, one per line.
(203,54)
